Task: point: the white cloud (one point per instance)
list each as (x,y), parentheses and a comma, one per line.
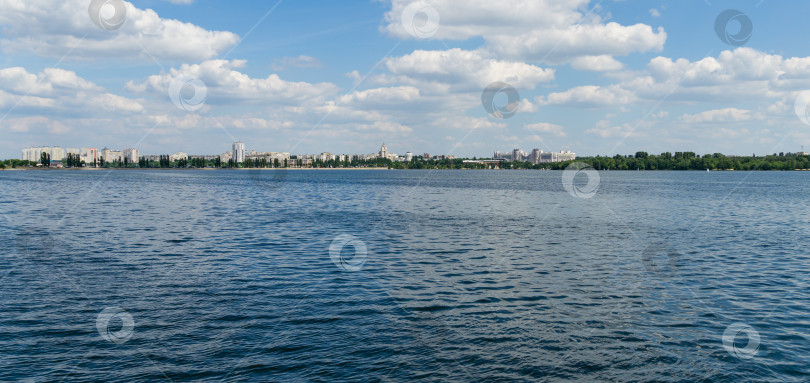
(619,131)
(545,127)
(720,115)
(596,63)
(655,13)
(741,75)
(53,28)
(589,96)
(36,124)
(381,96)
(226,85)
(469,123)
(59,91)
(564,45)
(460,70)
(553,31)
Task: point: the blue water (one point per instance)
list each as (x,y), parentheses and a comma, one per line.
(467,276)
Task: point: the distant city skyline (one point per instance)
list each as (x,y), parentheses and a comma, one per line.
(492,153)
(239,152)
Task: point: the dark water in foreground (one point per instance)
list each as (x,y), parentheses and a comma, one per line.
(467,276)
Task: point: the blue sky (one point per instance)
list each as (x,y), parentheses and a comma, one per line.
(594,77)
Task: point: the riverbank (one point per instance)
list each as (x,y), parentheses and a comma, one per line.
(380,168)
(185,169)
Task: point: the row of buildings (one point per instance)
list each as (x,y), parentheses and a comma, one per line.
(88,155)
(239,154)
(92,156)
(536,156)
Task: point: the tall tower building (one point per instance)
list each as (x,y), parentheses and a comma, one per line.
(383,151)
(238,152)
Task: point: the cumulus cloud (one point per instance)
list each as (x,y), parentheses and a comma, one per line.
(460,70)
(226,85)
(53,28)
(596,63)
(589,96)
(553,31)
(743,74)
(58,91)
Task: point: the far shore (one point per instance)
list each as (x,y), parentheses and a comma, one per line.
(184,169)
(369,168)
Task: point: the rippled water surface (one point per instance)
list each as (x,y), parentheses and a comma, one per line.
(467,276)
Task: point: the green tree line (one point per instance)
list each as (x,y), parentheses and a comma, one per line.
(691,161)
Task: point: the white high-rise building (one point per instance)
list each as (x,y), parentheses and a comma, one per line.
(111,155)
(131,155)
(104,154)
(518,155)
(34,154)
(239,152)
(562,156)
(408,157)
(178,156)
(89,155)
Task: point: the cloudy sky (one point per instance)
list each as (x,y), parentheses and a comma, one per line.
(306,76)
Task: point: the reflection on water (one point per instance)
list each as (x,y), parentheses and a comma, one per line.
(464,275)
